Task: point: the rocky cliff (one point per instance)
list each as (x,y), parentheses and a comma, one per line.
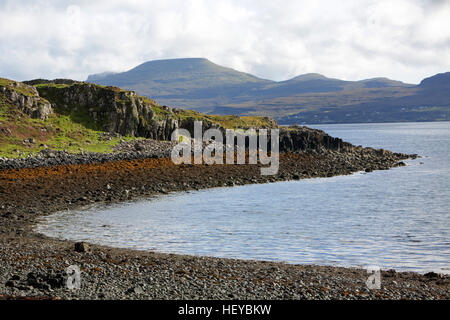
(302,139)
(117,111)
(114,110)
(26,98)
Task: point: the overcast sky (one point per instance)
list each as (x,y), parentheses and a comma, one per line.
(352,40)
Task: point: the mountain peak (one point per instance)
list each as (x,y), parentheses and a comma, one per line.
(381,82)
(177,61)
(173,65)
(309,76)
(438,80)
(185,77)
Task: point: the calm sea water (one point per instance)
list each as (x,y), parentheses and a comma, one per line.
(392,219)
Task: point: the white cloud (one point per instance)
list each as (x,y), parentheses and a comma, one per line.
(404,40)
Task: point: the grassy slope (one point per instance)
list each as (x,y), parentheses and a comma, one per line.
(59,132)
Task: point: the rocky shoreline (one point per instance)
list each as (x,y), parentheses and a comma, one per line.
(295,139)
(143,149)
(34,266)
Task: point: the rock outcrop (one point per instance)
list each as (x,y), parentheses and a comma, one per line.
(105,108)
(302,139)
(26,98)
(114,110)
(123,112)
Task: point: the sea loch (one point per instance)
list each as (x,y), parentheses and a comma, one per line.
(397,218)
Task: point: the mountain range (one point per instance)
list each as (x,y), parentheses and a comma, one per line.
(199,84)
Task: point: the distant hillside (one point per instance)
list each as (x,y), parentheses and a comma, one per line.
(201,85)
(428,101)
(441,81)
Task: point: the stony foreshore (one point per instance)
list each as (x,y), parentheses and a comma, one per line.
(133,150)
(32,265)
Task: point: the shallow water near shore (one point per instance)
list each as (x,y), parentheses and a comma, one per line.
(397,219)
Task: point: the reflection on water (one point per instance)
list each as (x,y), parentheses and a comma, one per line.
(394,219)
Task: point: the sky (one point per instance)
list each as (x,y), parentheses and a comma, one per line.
(277,40)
